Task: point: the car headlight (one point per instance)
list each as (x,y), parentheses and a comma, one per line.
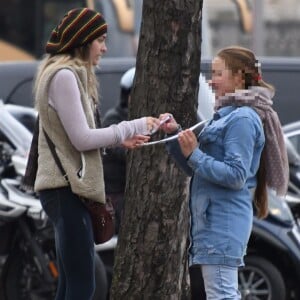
(279,209)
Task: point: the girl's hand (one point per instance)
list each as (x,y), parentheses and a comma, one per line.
(135,141)
(171,126)
(187,141)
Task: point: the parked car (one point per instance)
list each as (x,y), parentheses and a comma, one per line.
(272,262)
(16,80)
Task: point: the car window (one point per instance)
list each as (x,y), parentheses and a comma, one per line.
(16,95)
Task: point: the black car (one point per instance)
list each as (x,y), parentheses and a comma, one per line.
(272,263)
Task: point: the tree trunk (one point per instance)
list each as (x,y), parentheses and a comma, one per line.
(151,257)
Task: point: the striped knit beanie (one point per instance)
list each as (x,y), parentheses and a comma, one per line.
(78,27)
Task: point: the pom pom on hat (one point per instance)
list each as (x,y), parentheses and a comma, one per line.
(78,27)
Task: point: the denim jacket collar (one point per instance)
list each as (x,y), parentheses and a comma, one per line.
(223,111)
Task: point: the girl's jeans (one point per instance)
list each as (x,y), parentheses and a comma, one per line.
(74,243)
(221,282)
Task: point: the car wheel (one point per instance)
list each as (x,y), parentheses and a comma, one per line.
(261,280)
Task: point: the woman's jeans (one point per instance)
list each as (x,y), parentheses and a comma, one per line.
(74,243)
(221,282)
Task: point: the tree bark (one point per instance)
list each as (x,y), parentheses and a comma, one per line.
(151,256)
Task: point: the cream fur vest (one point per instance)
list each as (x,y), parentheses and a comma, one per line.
(84,170)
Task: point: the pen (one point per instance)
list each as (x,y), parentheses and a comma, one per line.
(163,121)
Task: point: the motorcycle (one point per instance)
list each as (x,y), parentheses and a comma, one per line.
(29,271)
(27,245)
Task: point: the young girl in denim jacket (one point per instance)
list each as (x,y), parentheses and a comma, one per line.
(238,154)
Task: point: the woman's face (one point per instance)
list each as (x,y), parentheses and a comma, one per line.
(97,49)
(222,80)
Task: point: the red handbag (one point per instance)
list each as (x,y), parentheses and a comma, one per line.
(103,219)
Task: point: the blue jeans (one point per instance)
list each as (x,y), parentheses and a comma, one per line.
(74,243)
(221,282)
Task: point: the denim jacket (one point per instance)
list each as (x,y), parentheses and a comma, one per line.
(223,171)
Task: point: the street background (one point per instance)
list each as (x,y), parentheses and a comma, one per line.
(275,31)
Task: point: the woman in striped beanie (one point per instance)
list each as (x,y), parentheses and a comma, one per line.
(66,99)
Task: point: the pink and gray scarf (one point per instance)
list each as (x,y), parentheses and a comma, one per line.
(259,98)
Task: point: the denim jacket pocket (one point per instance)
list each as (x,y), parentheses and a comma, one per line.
(198,209)
(210,136)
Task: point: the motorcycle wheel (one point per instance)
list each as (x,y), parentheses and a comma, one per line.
(20,280)
(261,280)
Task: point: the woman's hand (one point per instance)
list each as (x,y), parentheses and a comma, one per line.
(152,124)
(187,141)
(135,141)
(171,126)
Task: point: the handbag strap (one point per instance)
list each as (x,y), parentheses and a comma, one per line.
(29,177)
(55,156)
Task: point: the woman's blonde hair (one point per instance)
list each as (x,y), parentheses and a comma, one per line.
(239,59)
(78,57)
